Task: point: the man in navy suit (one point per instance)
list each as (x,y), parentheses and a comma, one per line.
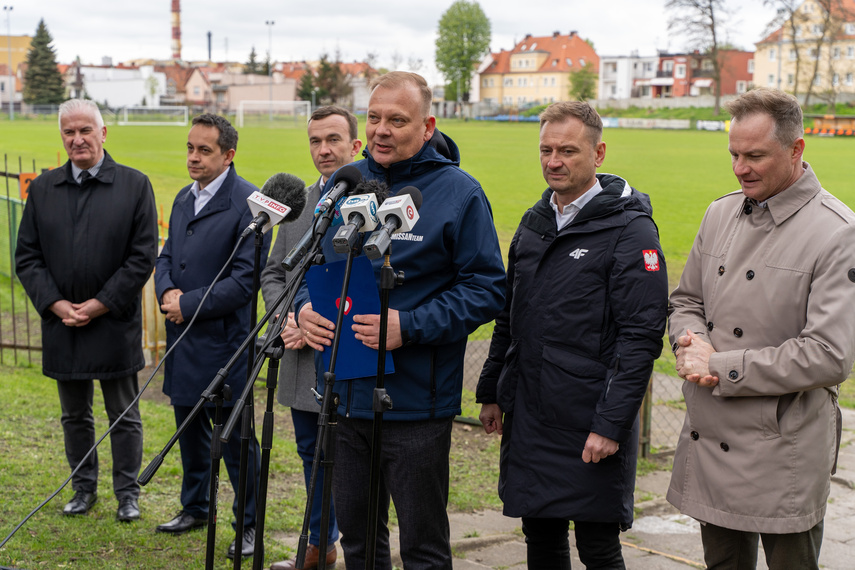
(207,219)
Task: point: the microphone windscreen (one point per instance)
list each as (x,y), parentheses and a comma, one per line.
(373,186)
(349,174)
(289,190)
(415,193)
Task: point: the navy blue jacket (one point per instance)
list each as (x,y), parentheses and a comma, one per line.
(572,353)
(454,282)
(197,248)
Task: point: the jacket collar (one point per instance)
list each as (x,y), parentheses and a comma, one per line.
(792,199)
(106,174)
(219,202)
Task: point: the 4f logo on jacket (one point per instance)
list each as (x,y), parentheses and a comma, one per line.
(578,252)
(651,259)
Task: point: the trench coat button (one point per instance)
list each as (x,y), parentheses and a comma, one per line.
(721,269)
(725,447)
(189,232)
(852,275)
(183,265)
(710,326)
(749,275)
(695,435)
(737,332)
(733,374)
(747,209)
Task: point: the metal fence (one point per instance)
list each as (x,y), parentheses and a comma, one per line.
(20,330)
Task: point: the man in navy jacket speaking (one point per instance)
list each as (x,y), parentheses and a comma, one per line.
(454,282)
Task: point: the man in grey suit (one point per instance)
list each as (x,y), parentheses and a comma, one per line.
(333,143)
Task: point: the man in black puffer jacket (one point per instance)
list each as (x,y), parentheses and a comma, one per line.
(573,349)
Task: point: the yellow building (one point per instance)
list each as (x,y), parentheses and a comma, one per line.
(823,51)
(535,72)
(20,47)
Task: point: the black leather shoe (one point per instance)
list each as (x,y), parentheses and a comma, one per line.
(248,546)
(129,510)
(182,523)
(80,503)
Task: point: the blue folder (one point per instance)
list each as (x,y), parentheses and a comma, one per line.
(354,360)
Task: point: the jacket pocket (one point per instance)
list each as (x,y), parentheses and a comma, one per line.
(570,387)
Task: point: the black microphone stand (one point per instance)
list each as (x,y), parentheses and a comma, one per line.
(327,422)
(381,403)
(247,434)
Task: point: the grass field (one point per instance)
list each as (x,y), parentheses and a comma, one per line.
(682,172)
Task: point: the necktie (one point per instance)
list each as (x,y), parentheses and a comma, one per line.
(85,177)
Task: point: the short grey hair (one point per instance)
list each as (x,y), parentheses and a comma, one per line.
(81,106)
(782,107)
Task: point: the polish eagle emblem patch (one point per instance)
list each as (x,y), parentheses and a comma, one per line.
(651,259)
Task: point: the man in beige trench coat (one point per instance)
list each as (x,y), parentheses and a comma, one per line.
(763,327)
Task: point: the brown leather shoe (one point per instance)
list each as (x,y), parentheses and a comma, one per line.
(311,562)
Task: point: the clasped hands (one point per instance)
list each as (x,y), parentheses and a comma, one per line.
(319,331)
(693,360)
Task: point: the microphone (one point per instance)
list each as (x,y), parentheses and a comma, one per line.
(398,214)
(360,211)
(283,197)
(346,179)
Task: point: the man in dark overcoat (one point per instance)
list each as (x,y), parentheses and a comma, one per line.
(207,220)
(573,351)
(86,246)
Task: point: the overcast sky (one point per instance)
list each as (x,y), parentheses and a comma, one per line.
(302,30)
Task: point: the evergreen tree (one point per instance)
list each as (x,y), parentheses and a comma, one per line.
(42,81)
(252,66)
(307,85)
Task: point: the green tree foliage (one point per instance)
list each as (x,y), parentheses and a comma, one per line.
(42,81)
(252,66)
(583,83)
(307,85)
(463,39)
(332,83)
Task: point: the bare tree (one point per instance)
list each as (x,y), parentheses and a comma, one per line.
(415,63)
(703,24)
(789,21)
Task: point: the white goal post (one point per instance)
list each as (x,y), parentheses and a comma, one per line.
(173,115)
(291,113)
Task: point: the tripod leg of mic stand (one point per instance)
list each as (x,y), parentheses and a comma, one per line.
(266,446)
(216,454)
(328,462)
(246,470)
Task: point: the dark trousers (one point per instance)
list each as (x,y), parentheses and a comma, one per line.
(306,435)
(548,544)
(195,445)
(414,472)
(726,549)
(126,439)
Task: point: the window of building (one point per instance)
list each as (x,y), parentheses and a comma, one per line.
(848,79)
(196,90)
(817,29)
(791,79)
(491,82)
(771,80)
(750,66)
(680,71)
(814,53)
(485,82)
(520,101)
(807,8)
(773,54)
(793,55)
(569,62)
(741,87)
(850,52)
(522,82)
(554,62)
(613,89)
(835,79)
(581,62)
(507,100)
(817,80)
(668,66)
(850,29)
(835,53)
(509,82)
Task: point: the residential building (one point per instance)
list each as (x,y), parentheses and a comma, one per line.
(622,77)
(116,86)
(693,74)
(820,53)
(535,72)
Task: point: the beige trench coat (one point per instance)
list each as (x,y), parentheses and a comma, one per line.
(773,290)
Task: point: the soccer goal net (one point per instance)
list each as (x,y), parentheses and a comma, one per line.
(273,113)
(177,116)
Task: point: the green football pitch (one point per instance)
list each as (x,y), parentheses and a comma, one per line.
(682,171)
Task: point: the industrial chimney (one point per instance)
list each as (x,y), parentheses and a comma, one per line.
(176,30)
